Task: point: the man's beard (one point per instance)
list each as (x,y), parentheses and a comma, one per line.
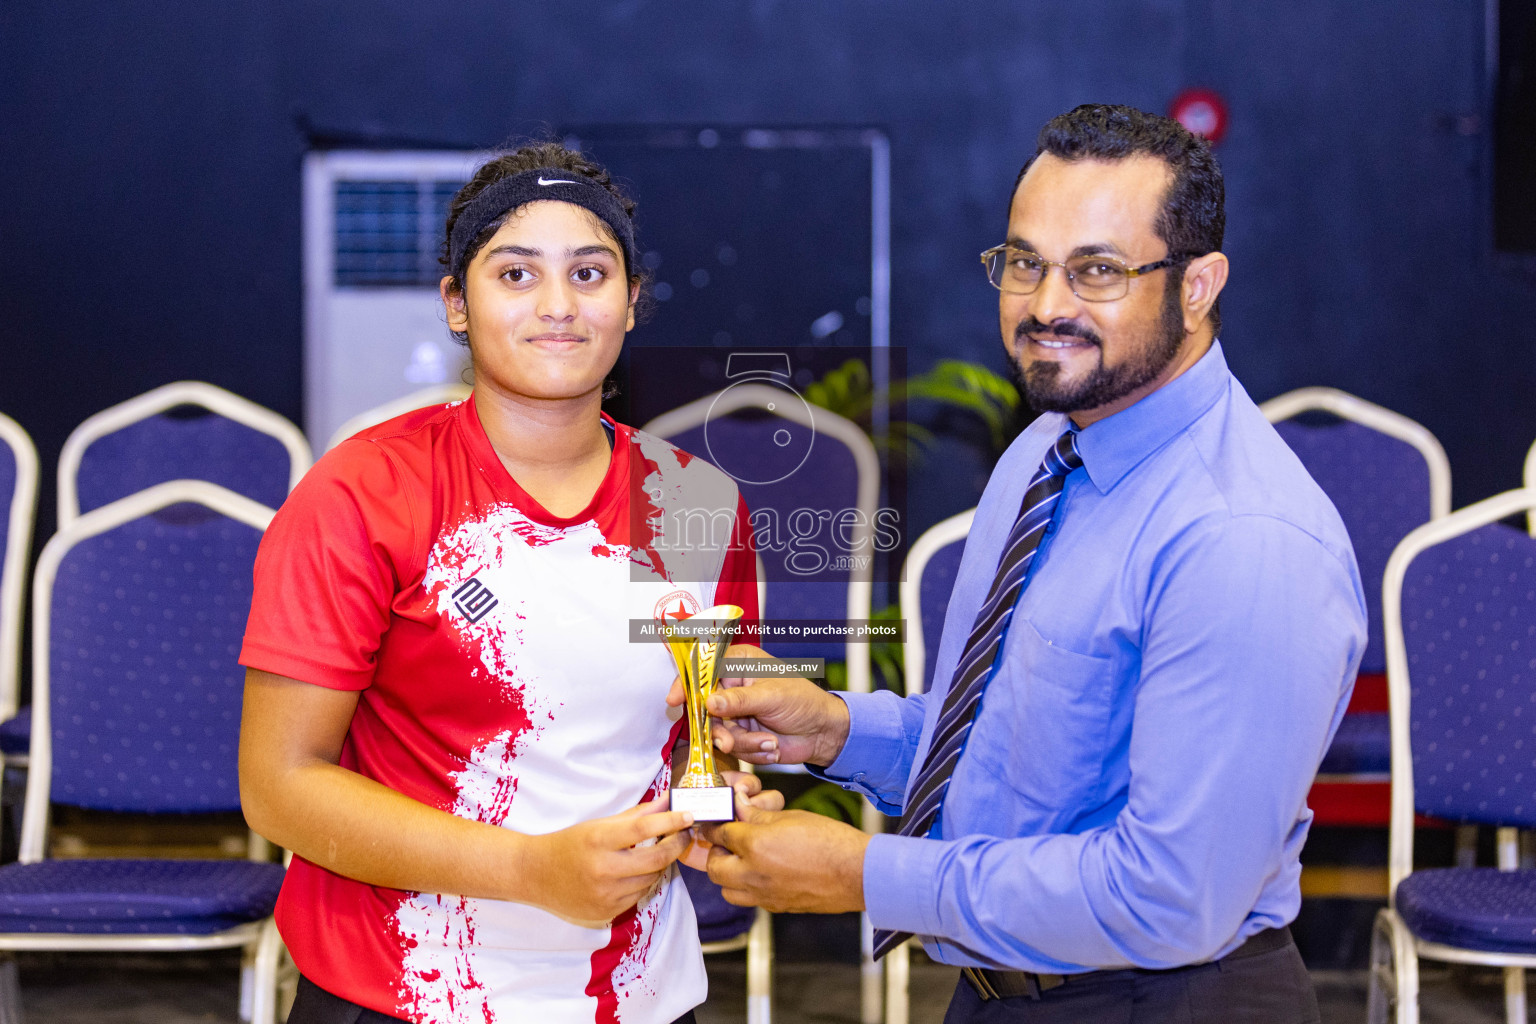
(1044,389)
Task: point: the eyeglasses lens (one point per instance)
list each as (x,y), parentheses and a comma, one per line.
(1098,279)
(1014,271)
(1092,277)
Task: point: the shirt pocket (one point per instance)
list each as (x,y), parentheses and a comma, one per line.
(1044,725)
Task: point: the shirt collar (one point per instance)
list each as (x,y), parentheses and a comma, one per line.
(1113,446)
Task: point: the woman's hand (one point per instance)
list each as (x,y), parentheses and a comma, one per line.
(295,793)
(750,787)
(598,869)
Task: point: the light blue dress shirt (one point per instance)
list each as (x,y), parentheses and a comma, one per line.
(1133,793)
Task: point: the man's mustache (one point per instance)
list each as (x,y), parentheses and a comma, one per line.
(1059,329)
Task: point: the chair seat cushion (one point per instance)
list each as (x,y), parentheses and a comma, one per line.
(182,897)
(1362,745)
(718,920)
(16,733)
(1474,908)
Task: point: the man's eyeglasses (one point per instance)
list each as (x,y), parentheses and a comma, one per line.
(1091,278)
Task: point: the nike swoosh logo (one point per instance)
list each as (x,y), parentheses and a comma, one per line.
(556,181)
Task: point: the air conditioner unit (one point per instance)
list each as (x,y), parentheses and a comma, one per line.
(374,328)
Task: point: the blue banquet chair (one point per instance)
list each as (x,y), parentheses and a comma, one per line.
(1386,474)
(18,511)
(786,456)
(724,927)
(1459,600)
(927,581)
(139,608)
(186,430)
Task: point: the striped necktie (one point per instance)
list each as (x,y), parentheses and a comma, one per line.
(980,654)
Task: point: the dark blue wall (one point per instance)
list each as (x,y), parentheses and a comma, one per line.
(151,217)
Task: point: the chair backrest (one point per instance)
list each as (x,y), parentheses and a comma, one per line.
(18,510)
(186,430)
(1460,609)
(438,394)
(927,581)
(793,463)
(138,612)
(1385,474)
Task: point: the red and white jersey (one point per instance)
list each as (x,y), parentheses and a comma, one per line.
(491,644)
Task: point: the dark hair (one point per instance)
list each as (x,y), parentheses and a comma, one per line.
(527,158)
(1193,218)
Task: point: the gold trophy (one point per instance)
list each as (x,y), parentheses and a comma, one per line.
(698,644)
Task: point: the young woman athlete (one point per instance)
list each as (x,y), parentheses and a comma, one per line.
(445,718)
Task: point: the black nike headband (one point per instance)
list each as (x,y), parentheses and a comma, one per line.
(530,187)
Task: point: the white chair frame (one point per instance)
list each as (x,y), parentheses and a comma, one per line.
(823,423)
(185,392)
(1347,407)
(259,938)
(898,962)
(438,394)
(934,539)
(1395,949)
(1530,484)
(758,942)
(18,548)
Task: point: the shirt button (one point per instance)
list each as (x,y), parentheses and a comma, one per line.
(858,777)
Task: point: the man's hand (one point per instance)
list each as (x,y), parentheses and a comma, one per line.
(598,869)
(749,788)
(788,861)
(774,720)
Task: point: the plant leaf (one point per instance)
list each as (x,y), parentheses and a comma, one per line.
(830,800)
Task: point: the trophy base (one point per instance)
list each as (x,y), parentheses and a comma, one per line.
(708,803)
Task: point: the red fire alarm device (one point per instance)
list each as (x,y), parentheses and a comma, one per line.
(1202,111)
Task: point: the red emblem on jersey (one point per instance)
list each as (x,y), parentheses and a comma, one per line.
(677,605)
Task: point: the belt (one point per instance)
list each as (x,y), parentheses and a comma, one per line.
(990,984)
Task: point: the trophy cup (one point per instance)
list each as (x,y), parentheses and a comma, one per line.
(698,644)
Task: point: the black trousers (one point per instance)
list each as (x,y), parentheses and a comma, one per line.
(314,1005)
(1268,988)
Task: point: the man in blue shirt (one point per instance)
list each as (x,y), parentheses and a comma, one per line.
(1115,832)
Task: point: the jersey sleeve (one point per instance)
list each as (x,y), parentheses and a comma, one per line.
(738,576)
(328,569)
